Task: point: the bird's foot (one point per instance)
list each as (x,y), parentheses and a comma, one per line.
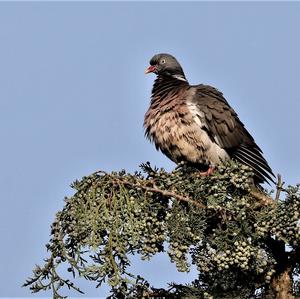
(209,171)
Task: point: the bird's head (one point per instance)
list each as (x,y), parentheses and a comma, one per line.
(165,64)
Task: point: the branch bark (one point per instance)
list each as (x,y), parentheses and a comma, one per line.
(261,197)
(281,286)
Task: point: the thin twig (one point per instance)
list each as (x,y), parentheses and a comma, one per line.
(163,192)
(279,187)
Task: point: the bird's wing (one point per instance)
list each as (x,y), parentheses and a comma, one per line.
(224,128)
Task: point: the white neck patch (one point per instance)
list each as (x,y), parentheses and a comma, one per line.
(179,77)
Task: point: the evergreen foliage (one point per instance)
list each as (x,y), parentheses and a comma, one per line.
(241,241)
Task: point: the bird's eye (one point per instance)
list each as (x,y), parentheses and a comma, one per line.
(163,61)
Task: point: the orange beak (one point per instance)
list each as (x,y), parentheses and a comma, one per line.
(150,69)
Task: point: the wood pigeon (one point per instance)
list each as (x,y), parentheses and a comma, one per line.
(195,123)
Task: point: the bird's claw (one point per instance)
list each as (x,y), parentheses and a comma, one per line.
(209,171)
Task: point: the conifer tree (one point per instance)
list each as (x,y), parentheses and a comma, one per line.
(243,240)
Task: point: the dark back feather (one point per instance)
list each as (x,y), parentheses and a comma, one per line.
(230,133)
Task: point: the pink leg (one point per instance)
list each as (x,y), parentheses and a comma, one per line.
(209,171)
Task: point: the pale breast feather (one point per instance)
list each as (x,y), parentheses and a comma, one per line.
(212,149)
(200,119)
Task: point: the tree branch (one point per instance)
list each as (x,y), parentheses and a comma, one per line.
(279,187)
(162,192)
(261,197)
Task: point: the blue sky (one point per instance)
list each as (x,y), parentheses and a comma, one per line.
(73,95)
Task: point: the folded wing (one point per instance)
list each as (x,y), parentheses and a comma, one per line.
(224,128)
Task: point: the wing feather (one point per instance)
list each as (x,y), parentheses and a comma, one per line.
(229,132)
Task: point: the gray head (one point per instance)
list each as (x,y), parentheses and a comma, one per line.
(165,64)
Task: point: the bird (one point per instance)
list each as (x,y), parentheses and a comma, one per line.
(194,124)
